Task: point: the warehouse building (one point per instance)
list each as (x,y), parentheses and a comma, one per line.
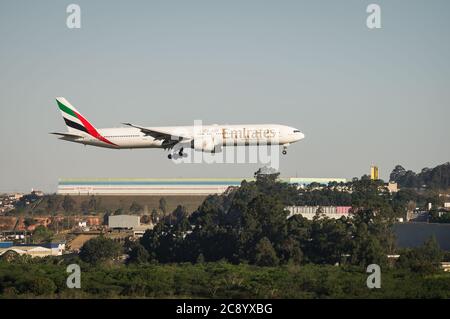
(128,222)
(411,235)
(33,250)
(165,186)
(124,221)
(309,212)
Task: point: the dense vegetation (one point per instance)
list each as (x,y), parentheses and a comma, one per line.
(250,224)
(47,278)
(243,244)
(439,217)
(98,250)
(437,177)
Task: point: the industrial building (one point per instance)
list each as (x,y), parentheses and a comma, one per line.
(411,235)
(124,221)
(374,173)
(309,212)
(39,250)
(165,186)
(128,222)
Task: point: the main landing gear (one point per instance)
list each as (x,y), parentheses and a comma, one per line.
(176,155)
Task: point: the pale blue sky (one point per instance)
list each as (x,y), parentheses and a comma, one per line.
(361,96)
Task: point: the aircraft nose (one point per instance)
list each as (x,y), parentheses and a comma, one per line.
(299,135)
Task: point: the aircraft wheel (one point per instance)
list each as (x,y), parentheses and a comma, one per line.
(284,152)
(169,156)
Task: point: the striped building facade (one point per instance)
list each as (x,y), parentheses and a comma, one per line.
(164,186)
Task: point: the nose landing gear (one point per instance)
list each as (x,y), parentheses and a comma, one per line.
(284,152)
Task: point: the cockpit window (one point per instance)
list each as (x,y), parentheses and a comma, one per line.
(297,131)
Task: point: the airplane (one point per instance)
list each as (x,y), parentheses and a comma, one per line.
(205,138)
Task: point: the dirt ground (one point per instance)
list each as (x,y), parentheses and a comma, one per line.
(112,203)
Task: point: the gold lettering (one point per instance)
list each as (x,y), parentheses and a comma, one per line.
(273,133)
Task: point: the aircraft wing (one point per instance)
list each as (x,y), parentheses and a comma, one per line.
(169,138)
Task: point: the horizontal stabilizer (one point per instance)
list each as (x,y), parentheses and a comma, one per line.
(66,135)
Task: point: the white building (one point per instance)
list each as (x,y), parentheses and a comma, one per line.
(82,224)
(130,222)
(124,221)
(43,250)
(309,212)
(166,186)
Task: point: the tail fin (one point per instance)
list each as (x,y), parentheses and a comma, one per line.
(74,120)
(77,123)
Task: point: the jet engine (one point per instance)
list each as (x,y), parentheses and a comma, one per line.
(206,144)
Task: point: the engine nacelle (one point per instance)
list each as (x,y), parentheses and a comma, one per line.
(206,144)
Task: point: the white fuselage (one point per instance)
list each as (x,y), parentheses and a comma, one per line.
(217,135)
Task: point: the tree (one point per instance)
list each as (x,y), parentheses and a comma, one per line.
(52,203)
(329,240)
(42,234)
(41,286)
(99,249)
(136,207)
(440,217)
(291,251)
(432,178)
(163,205)
(265,254)
(154,216)
(266,175)
(94,204)
(249,224)
(367,248)
(90,205)
(29,221)
(200,259)
(138,255)
(106,217)
(397,173)
(165,243)
(146,219)
(68,222)
(424,259)
(84,207)
(179,213)
(68,204)
(10,256)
